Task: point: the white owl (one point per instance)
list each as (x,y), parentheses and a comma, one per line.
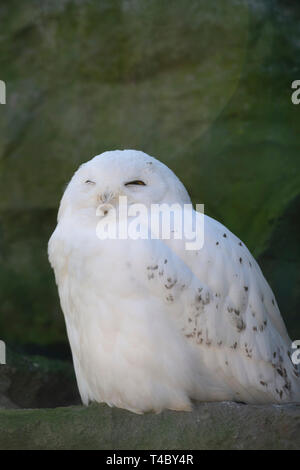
(152,325)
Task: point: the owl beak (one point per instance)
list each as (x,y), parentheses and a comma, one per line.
(104,203)
(105,197)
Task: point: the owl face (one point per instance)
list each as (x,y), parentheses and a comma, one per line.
(136,175)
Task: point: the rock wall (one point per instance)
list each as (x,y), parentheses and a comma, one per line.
(37,382)
(204,86)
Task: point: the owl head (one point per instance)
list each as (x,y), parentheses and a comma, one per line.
(130,173)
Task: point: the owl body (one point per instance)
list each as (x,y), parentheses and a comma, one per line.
(152,325)
(126,353)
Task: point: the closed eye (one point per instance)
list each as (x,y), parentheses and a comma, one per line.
(90,182)
(135,183)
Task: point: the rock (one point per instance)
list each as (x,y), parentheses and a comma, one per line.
(223,425)
(206,89)
(283,257)
(36,382)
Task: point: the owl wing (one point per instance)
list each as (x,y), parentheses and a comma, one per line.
(221,303)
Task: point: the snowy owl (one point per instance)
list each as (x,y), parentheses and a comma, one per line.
(153,325)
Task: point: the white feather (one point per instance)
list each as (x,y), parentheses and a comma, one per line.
(152,325)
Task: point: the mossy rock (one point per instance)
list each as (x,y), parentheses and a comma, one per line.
(219,426)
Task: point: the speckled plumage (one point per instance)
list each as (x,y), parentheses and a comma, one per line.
(152,325)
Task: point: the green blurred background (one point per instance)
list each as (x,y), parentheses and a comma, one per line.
(203,86)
